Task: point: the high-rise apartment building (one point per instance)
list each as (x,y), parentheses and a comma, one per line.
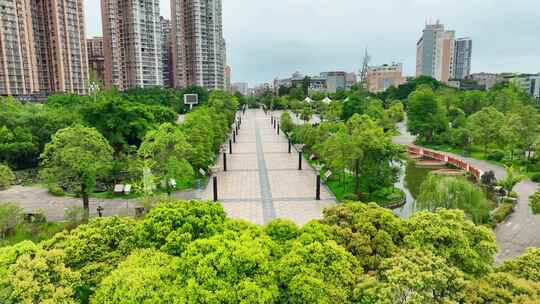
(42,47)
(96,59)
(166,52)
(228,72)
(60,38)
(462,58)
(380,78)
(18,62)
(132,43)
(198,46)
(435,53)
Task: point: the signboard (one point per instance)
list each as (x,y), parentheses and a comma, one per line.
(118,188)
(191,100)
(201,172)
(328,174)
(312,157)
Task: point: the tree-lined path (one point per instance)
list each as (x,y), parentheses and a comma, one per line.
(263,181)
(522,229)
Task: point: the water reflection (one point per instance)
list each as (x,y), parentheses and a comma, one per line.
(410,179)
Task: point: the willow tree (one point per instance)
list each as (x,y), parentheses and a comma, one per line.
(454,193)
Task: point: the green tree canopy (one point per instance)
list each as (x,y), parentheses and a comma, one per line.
(77,156)
(427,114)
(485,126)
(449,234)
(146,276)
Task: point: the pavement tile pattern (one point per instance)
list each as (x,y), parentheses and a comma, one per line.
(262,181)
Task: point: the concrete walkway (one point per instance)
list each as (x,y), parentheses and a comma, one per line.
(522,229)
(34,199)
(263,181)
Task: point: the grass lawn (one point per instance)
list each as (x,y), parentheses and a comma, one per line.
(344,186)
(33,232)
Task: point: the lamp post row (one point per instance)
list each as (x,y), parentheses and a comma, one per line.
(276,126)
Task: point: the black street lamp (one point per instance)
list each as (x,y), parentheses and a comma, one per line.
(318,183)
(213,171)
(299,148)
(100,211)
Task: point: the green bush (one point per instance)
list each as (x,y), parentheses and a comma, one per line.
(350,197)
(56,190)
(536,178)
(6,176)
(502,213)
(496,155)
(534,203)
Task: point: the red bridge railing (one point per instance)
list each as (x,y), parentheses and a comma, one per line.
(459,163)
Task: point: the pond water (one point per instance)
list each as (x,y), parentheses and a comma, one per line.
(410,180)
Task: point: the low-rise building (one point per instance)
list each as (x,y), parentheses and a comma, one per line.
(530,83)
(486,79)
(350,80)
(335,81)
(384,76)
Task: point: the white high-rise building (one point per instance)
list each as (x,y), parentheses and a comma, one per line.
(132,43)
(198,47)
(435,53)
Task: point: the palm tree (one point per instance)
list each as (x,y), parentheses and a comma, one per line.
(511,180)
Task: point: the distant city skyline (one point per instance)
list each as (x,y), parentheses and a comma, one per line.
(275,39)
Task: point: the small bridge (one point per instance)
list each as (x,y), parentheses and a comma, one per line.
(447,159)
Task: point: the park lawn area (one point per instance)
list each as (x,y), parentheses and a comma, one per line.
(34,232)
(344,186)
(341,189)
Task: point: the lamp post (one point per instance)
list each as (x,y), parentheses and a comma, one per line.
(223,150)
(234,136)
(230,146)
(278,129)
(213,171)
(299,148)
(100,211)
(290,142)
(318,168)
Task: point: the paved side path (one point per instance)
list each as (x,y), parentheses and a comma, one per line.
(34,199)
(263,181)
(522,229)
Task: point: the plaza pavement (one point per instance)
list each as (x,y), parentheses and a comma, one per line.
(263,181)
(522,229)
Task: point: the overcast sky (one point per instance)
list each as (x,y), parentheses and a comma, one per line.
(273,38)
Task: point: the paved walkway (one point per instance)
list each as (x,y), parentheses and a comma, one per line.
(34,199)
(263,181)
(522,229)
